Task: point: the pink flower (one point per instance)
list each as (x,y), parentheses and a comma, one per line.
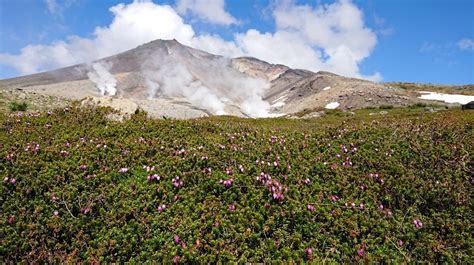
(360,252)
(11,219)
(278,196)
(5,180)
(56,213)
(83,167)
(89,176)
(227,183)
(381,207)
(310,207)
(231,207)
(418,223)
(334,198)
(161,208)
(148,168)
(177,182)
(389,214)
(123,170)
(177,240)
(53,197)
(307,181)
(176,259)
(154,177)
(13,181)
(203,158)
(309,251)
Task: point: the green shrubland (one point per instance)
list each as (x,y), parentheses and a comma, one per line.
(395,188)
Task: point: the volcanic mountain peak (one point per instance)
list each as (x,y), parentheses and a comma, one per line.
(242,86)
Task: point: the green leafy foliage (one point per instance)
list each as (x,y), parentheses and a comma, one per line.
(16,106)
(80,188)
(386,107)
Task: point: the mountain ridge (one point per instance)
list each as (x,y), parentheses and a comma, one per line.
(242,86)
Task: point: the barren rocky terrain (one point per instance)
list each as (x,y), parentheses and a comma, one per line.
(151,76)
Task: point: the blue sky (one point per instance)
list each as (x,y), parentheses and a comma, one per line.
(430,41)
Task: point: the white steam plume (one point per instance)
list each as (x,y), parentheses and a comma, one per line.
(209,83)
(103,79)
(153,88)
(173,79)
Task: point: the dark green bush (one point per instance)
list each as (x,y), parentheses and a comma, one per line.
(16,106)
(418,105)
(386,107)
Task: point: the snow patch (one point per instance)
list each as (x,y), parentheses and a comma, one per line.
(275,115)
(282,98)
(278,104)
(327,88)
(448,98)
(332,105)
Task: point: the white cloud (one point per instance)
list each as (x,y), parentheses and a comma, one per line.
(280,47)
(140,22)
(132,25)
(57,7)
(212,11)
(466,44)
(326,37)
(37,58)
(215,44)
(52,6)
(336,30)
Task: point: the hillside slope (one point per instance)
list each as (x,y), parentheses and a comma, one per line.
(244,86)
(394,188)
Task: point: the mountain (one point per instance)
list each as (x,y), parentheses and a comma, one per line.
(165,77)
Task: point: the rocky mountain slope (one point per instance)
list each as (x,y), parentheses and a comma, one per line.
(164,75)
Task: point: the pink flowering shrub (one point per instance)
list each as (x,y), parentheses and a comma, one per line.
(358,189)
